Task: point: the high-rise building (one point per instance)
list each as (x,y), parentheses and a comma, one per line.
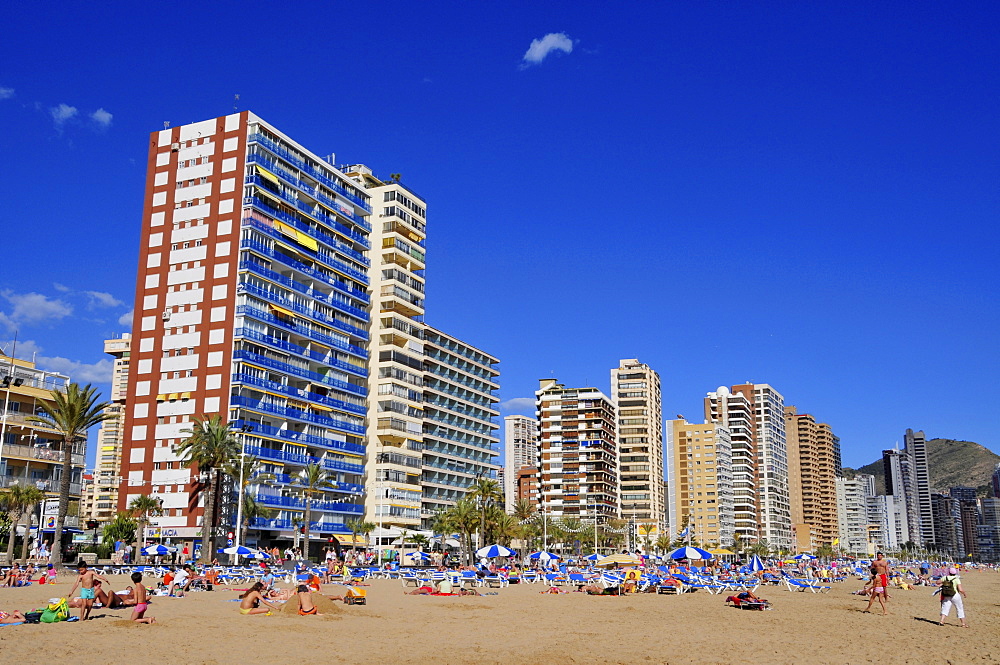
(700,481)
(887,522)
(635,387)
(988,531)
(396,366)
(812,471)
(969,517)
(527,485)
(102,503)
(772,466)
(520,443)
(852,512)
(995,482)
(734,411)
(947,538)
(30,453)
(916,445)
(459,426)
(578,452)
(251,304)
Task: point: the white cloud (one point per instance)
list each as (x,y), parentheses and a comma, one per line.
(101,117)
(6,93)
(540,48)
(518,404)
(34,308)
(25,348)
(126,319)
(102,299)
(62,113)
(99,372)
(60,287)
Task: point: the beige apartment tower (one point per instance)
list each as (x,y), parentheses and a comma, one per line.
(635,387)
(102,501)
(813,465)
(700,482)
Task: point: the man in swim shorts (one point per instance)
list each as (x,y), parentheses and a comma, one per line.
(880,580)
(85,580)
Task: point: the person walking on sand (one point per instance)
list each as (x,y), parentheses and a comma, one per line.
(880,580)
(952,593)
(85,580)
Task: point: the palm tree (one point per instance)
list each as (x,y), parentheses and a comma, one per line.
(17,501)
(647,530)
(354,524)
(524,510)
(142,508)
(210,445)
(465,518)
(506,528)
(663,543)
(365,529)
(312,480)
(253,510)
(70,413)
(420,540)
(250,470)
(486,492)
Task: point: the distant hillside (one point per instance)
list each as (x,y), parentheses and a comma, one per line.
(951,464)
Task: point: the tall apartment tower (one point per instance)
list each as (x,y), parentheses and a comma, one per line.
(916,446)
(251,304)
(635,387)
(459,426)
(578,452)
(900,481)
(995,482)
(734,411)
(111,435)
(396,410)
(813,452)
(700,481)
(772,466)
(852,512)
(520,442)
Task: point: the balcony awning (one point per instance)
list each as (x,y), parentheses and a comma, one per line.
(286,229)
(172,397)
(321,407)
(185,395)
(267,174)
(281,310)
(307,241)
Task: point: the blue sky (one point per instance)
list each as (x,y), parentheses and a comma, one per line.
(802,196)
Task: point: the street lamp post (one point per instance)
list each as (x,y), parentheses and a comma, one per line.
(239,490)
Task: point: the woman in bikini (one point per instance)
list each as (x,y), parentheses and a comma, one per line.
(11,617)
(251,600)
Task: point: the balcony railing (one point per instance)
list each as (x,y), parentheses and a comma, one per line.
(304,331)
(288,525)
(321,358)
(47,454)
(293,458)
(298,163)
(264,250)
(332,299)
(326,259)
(274,386)
(277,298)
(295,502)
(295,414)
(298,371)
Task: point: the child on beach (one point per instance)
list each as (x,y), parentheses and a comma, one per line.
(85,580)
(141,601)
(306,605)
(51,573)
(251,600)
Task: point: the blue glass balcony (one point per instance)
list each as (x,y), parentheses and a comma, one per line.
(263,406)
(343,287)
(268,317)
(270,340)
(323,379)
(473,442)
(277,298)
(276,387)
(288,525)
(264,250)
(300,164)
(348,488)
(320,257)
(297,503)
(273,455)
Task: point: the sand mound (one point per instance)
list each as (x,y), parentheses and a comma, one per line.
(322,603)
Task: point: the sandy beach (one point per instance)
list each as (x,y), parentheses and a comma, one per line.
(520,625)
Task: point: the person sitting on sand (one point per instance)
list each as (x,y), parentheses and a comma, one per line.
(750,596)
(306,605)
(251,600)
(445,586)
(11,617)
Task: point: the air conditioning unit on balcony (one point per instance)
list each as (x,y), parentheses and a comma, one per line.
(174,147)
(166,315)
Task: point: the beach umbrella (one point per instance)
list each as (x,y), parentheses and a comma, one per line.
(592,557)
(260,554)
(424,556)
(491,551)
(544,556)
(158,550)
(803,557)
(240,550)
(619,560)
(689,553)
(755,564)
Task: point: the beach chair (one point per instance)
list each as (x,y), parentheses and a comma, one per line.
(803,585)
(530,577)
(692,584)
(555,579)
(495,581)
(409,579)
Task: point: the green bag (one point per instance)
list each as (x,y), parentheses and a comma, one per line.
(58,611)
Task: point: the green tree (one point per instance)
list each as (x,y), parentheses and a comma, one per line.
(358,525)
(486,492)
(312,480)
(647,529)
(122,527)
(70,413)
(506,528)
(252,510)
(464,516)
(142,508)
(210,444)
(18,501)
(251,470)
(663,543)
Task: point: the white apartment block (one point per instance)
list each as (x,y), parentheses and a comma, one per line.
(635,387)
(852,512)
(734,411)
(772,467)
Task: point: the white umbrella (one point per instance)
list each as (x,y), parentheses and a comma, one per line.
(544,556)
(689,553)
(158,550)
(491,551)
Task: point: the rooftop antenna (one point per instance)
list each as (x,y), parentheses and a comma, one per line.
(236,102)
(166,124)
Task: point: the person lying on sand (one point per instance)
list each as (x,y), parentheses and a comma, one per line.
(252,599)
(597,590)
(554,589)
(279,594)
(425,590)
(11,617)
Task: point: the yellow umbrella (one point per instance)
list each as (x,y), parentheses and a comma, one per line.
(720,551)
(619,560)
